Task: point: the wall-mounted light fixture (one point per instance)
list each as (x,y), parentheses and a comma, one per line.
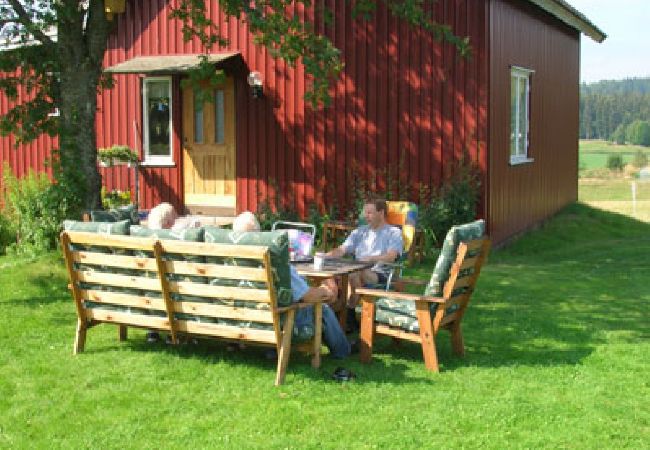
(255,82)
(112,7)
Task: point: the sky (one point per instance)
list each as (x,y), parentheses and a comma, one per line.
(626,51)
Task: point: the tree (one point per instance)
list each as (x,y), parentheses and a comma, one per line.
(618,136)
(66,72)
(638,133)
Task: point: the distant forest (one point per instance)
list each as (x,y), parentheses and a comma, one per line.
(609,108)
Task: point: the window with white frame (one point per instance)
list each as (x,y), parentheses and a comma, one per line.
(157,111)
(519,114)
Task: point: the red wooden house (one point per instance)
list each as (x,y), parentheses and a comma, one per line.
(404,103)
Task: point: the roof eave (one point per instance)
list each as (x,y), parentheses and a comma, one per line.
(572,17)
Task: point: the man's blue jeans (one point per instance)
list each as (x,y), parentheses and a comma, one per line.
(333,335)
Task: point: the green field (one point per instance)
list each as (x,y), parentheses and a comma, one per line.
(594,153)
(557,353)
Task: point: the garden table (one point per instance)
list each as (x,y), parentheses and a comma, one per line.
(333,268)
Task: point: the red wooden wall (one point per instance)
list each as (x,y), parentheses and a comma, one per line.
(523,195)
(402,97)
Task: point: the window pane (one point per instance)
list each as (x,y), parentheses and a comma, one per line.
(523,116)
(513,115)
(219,130)
(158,117)
(198,119)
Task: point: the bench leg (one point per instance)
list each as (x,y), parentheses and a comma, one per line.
(123,332)
(318,334)
(285,348)
(427,337)
(367,334)
(457,343)
(80,337)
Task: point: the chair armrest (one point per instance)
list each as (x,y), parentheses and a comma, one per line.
(299,305)
(411,281)
(372,294)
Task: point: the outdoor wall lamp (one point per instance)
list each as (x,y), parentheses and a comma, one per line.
(255,82)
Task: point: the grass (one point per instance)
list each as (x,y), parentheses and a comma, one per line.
(594,153)
(557,356)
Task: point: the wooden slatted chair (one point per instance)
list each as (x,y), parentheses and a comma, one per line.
(419,318)
(185,288)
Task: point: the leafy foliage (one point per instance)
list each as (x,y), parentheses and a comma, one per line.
(606,105)
(36,208)
(113,199)
(615,162)
(122,153)
(638,133)
(455,202)
(7,233)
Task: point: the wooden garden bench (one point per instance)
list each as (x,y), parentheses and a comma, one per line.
(215,290)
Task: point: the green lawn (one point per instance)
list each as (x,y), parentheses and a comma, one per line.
(557,350)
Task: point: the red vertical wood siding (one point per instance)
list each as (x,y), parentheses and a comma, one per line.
(522,195)
(383,118)
(404,108)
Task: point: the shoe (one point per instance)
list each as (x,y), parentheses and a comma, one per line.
(343,374)
(153,337)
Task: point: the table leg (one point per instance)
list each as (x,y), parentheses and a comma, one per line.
(343,300)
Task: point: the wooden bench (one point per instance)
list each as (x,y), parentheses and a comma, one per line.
(183,288)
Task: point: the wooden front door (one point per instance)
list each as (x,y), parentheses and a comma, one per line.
(209,152)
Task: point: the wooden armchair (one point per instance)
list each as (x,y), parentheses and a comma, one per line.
(418,318)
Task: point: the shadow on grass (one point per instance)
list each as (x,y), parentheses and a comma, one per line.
(554,295)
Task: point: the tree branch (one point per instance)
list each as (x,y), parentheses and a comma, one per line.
(26,21)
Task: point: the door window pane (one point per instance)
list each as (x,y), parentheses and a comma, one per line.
(198,119)
(219,114)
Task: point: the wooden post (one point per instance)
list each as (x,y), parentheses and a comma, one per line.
(367,334)
(427,335)
(164,284)
(318,334)
(122,332)
(285,347)
(80,337)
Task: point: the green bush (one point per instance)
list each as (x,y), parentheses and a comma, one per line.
(37,207)
(455,202)
(7,233)
(615,162)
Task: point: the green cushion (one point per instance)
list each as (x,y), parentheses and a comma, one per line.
(402,313)
(455,236)
(278,244)
(129,212)
(118,228)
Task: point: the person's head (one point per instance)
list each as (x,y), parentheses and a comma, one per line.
(246,221)
(161,216)
(374,211)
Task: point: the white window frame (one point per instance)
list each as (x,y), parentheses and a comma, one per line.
(521,155)
(156,160)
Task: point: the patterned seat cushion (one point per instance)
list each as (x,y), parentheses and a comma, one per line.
(278,244)
(120,228)
(129,212)
(401,313)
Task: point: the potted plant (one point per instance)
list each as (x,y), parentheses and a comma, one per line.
(117,154)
